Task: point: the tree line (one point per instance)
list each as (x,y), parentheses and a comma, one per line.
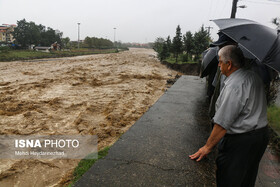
(100,43)
(29,33)
(188,46)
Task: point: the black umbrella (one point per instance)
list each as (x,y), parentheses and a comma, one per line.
(261,41)
(209,61)
(210,56)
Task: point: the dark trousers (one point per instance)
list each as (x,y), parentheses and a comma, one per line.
(239,157)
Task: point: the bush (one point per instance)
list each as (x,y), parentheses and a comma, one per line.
(184,58)
(273,117)
(4,48)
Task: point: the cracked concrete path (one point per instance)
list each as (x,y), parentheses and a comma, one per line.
(154,151)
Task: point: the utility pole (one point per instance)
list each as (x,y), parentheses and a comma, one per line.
(79,35)
(233,9)
(208,28)
(115,37)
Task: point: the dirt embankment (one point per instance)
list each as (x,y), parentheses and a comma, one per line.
(97,94)
(187,69)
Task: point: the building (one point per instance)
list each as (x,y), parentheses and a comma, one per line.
(6,33)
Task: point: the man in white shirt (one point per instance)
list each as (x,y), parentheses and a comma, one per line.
(240,123)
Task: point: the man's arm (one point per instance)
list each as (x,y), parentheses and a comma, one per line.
(217,134)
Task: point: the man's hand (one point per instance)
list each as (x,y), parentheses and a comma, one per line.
(216,135)
(200,154)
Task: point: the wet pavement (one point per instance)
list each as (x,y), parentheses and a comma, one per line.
(154,151)
(269,170)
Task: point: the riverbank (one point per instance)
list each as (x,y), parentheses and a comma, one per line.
(14,55)
(186,68)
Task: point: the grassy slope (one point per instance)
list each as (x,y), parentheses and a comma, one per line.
(273,114)
(12,55)
(85,164)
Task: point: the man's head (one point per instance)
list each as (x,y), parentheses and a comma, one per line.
(230,59)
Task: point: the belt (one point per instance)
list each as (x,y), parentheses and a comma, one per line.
(248,133)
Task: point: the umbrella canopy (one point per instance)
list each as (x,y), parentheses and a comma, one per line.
(209,61)
(274,56)
(261,41)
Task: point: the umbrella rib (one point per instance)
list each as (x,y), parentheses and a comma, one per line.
(272,68)
(239,25)
(249,51)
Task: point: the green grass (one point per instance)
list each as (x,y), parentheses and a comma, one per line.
(85,164)
(273,115)
(12,55)
(172,60)
(182,59)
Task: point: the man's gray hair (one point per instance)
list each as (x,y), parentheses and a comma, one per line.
(232,53)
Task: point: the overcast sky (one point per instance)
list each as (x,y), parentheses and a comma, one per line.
(135,20)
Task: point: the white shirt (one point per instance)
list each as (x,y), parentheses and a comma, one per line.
(241,106)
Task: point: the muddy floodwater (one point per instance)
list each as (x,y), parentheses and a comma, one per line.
(99,95)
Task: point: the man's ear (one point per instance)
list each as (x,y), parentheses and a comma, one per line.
(229,65)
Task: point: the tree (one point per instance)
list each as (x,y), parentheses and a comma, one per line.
(33,34)
(65,42)
(276,21)
(157,46)
(163,54)
(28,33)
(201,41)
(188,43)
(50,36)
(98,43)
(160,47)
(88,42)
(168,44)
(177,45)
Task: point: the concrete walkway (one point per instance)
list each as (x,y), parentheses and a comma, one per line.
(154,151)
(269,170)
